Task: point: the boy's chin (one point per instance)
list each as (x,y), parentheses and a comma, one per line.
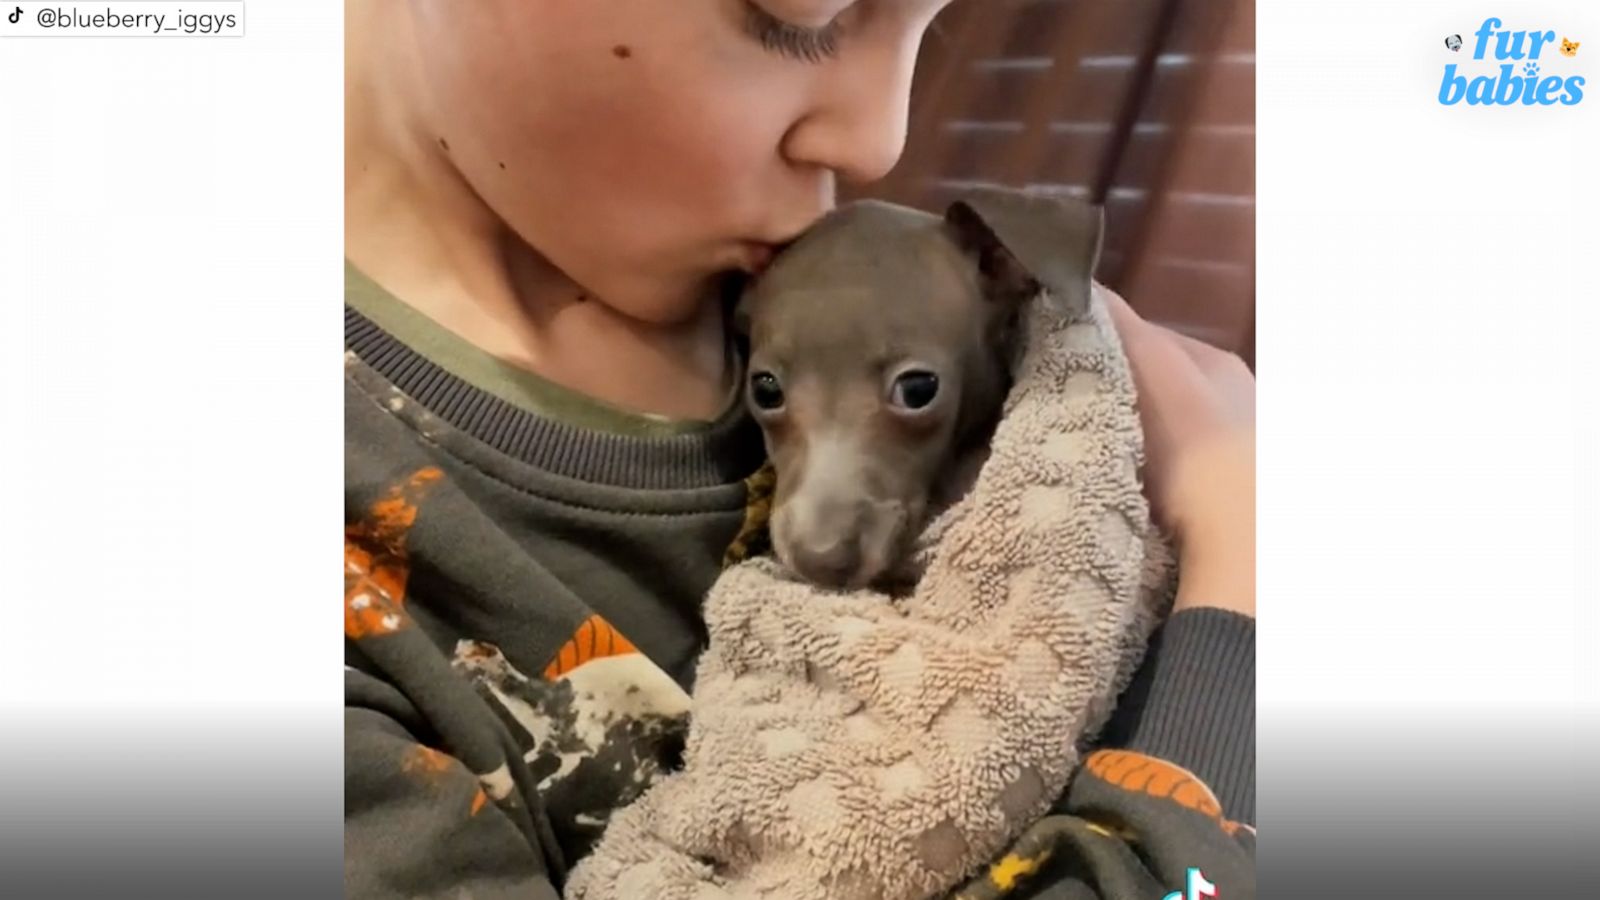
(666,302)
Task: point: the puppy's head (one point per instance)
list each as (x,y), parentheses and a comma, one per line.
(879,351)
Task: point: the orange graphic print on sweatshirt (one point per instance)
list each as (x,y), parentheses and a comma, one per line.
(1143,774)
(375,564)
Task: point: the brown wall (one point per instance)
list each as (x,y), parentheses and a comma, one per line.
(1146,106)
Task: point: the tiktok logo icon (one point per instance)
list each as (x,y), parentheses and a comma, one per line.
(1195,886)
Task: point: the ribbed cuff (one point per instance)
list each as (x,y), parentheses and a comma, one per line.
(1198,703)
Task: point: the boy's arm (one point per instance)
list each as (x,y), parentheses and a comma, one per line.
(1146,807)
(1193,703)
(1131,827)
(418,823)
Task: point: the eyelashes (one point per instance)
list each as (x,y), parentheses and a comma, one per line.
(812,45)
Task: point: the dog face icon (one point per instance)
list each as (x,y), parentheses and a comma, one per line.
(1569,48)
(1453,42)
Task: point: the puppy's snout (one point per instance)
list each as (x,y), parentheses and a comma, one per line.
(842,521)
(823,539)
(831,561)
(842,544)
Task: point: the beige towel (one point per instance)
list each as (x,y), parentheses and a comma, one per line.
(852,745)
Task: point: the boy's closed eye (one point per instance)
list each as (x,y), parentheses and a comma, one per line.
(806,30)
(811,14)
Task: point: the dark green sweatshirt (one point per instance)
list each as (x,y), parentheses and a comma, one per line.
(523,575)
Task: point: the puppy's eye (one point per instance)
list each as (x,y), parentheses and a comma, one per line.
(914,390)
(765,391)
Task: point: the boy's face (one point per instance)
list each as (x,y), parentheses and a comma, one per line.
(645,145)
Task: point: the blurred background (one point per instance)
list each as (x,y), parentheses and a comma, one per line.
(1144,106)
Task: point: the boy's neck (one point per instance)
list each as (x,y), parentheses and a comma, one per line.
(417,229)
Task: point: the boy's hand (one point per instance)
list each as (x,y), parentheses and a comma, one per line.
(1197,405)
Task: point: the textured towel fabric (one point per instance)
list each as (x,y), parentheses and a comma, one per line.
(855,745)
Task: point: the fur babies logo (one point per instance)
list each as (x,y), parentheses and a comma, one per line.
(1525,75)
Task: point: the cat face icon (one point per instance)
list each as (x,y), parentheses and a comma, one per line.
(1569,48)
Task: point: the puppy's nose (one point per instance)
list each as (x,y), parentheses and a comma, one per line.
(832,562)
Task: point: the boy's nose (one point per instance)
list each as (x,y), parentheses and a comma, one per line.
(857,127)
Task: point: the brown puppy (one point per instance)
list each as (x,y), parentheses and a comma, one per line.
(881,345)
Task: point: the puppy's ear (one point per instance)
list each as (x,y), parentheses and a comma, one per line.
(1006,281)
(1023,240)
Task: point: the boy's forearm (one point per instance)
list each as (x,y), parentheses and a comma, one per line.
(1130,827)
(1174,772)
(1193,704)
